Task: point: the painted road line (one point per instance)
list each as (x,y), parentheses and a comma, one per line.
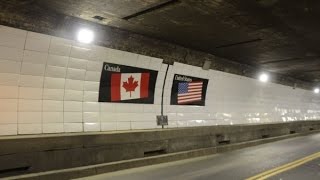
(286,167)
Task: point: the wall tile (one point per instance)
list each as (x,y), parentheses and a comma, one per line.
(76,74)
(56,72)
(60,46)
(10,67)
(155,64)
(129,59)
(72,117)
(30,93)
(108,126)
(35,57)
(8,129)
(74,84)
(54,83)
(73,95)
(123,126)
(91,96)
(91,107)
(53,94)
(172,124)
(151,108)
(56,60)
(30,105)
(31,81)
(12,54)
(32,69)
(89,127)
(129,108)
(93,76)
(108,116)
(8,118)
(91,117)
(91,86)
(12,37)
(37,42)
(8,92)
(76,63)
(52,117)
(143,125)
(107,107)
(72,106)
(52,128)
(9,79)
(52,106)
(143,61)
(94,66)
(29,128)
(98,53)
(73,127)
(80,52)
(29,117)
(114,56)
(8,105)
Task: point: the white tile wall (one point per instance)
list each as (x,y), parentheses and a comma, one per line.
(12,54)
(12,37)
(37,42)
(60,46)
(10,66)
(9,79)
(51,85)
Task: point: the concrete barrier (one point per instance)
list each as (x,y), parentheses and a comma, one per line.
(32,154)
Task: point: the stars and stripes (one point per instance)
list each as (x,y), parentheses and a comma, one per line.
(189,92)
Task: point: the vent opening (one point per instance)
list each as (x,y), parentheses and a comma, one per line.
(16,170)
(221,139)
(154,153)
(292,132)
(224,142)
(265,136)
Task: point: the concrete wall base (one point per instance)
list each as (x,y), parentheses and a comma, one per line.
(32,154)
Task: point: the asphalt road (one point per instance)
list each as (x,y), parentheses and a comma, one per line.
(308,171)
(239,164)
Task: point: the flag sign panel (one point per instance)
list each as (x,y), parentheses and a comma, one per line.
(126,84)
(187,90)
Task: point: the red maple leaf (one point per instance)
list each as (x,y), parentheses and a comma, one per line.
(130,85)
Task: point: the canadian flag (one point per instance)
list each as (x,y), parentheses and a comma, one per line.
(129,86)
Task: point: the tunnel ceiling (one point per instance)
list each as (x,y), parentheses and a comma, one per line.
(281,36)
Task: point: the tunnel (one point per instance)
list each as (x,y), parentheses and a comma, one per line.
(159,89)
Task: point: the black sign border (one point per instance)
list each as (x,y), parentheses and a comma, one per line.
(174,91)
(105,84)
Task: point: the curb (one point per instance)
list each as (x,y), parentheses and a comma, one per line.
(91,170)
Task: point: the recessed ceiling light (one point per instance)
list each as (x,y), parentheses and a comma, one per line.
(85,36)
(316,90)
(263,77)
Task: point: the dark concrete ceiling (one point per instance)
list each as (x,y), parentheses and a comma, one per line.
(281,36)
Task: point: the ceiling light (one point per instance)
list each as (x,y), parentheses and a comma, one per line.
(263,77)
(85,36)
(316,90)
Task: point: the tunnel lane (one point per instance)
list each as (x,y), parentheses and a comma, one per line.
(279,157)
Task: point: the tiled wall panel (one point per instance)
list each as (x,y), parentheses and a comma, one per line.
(51,85)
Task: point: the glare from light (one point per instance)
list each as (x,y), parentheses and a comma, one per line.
(316,90)
(264,77)
(85,36)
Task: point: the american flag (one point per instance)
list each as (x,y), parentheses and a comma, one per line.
(189,92)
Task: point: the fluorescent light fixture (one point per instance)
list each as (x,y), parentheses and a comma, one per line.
(316,90)
(85,36)
(263,77)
